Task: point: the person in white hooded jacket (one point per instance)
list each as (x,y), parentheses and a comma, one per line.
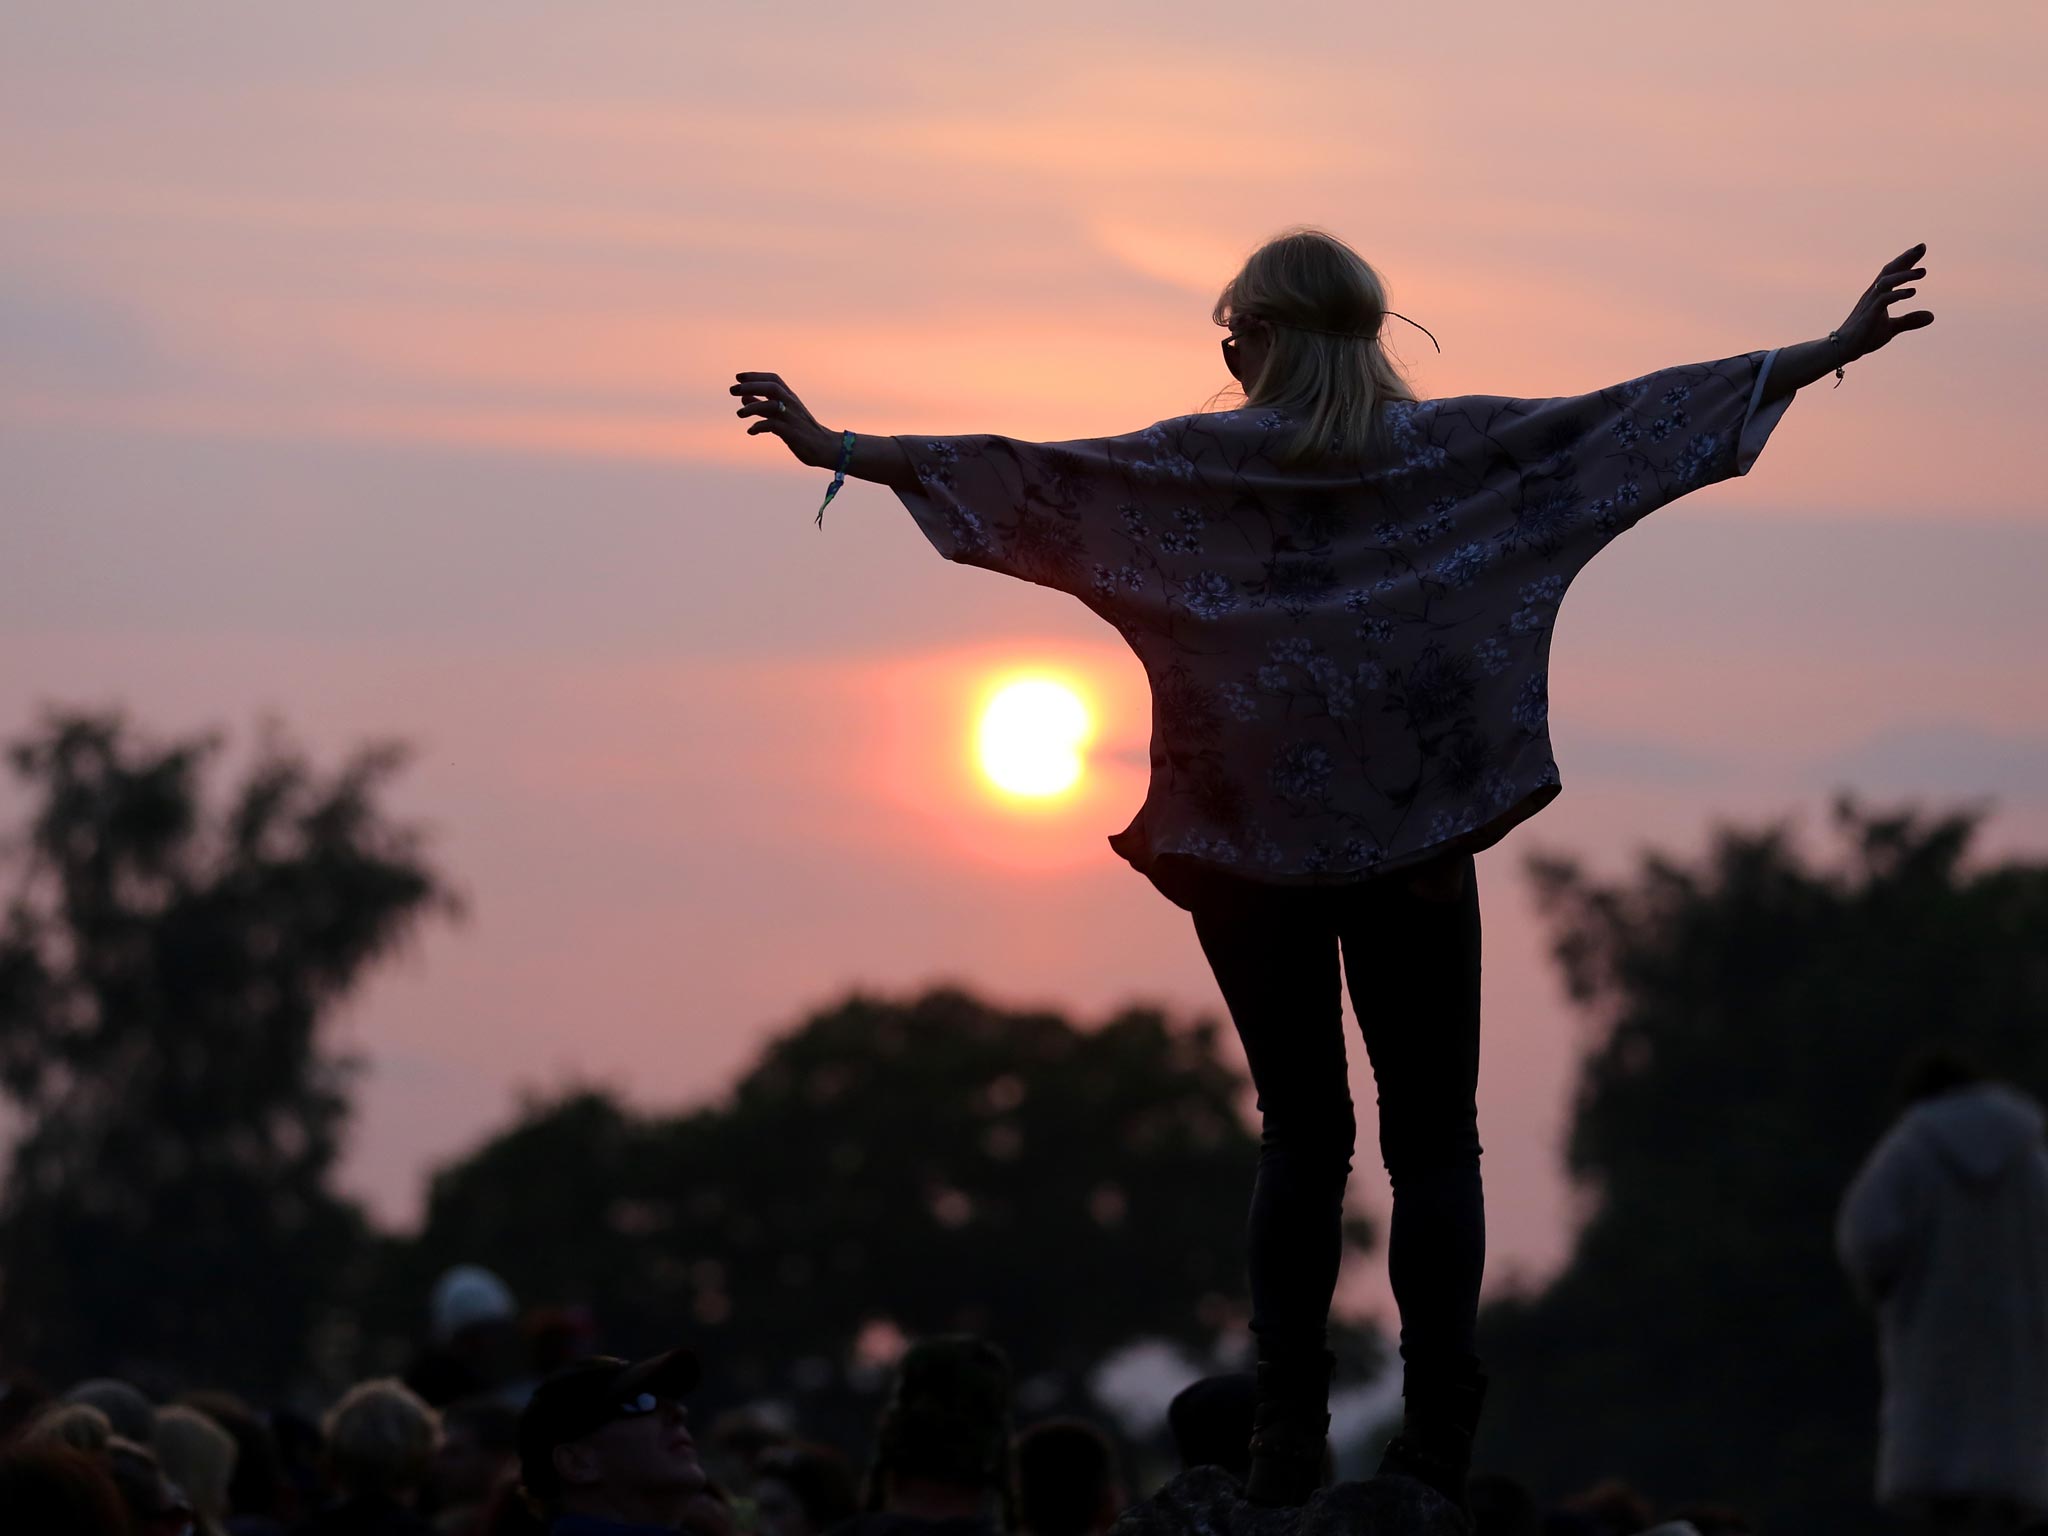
(1944,1233)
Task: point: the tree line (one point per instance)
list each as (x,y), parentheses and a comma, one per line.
(172,957)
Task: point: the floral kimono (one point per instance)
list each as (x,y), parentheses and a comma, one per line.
(1349,664)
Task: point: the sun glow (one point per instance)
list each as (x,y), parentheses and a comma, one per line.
(1031,737)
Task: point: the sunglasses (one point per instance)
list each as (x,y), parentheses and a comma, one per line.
(646,1403)
(1229,343)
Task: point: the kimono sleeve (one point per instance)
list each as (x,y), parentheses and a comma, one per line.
(1046,513)
(1588,466)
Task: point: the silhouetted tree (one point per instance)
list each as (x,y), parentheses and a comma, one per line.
(885,1167)
(165,975)
(1752,1018)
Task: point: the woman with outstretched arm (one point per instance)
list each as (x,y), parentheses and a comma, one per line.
(1343,599)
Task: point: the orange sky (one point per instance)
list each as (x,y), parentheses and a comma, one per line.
(368,365)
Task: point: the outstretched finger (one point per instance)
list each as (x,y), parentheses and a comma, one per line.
(1905,258)
(1912,322)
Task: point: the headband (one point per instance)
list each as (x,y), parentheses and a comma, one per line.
(1354,335)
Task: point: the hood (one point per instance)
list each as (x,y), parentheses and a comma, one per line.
(1977,1130)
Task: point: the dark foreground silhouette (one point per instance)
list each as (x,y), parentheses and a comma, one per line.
(1208,1501)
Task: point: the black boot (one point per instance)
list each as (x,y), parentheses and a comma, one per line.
(1440,1416)
(1290,1428)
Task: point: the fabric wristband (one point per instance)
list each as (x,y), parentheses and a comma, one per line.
(838,479)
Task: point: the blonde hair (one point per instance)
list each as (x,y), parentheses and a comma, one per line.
(199,1456)
(1306,284)
(381,1438)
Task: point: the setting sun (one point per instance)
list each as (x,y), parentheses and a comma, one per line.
(1031,737)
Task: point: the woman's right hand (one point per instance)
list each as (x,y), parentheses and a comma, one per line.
(766,396)
(1871,324)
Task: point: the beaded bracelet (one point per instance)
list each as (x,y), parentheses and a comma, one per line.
(1835,336)
(839,479)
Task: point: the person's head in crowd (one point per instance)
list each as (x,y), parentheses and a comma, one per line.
(1612,1507)
(78,1425)
(53,1489)
(132,1414)
(468,1297)
(802,1489)
(942,1450)
(610,1438)
(479,1451)
(557,1337)
(22,1397)
(199,1456)
(738,1437)
(257,1489)
(476,1321)
(1936,1070)
(1211,1420)
(155,1506)
(1714,1519)
(381,1440)
(1067,1483)
(1501,1506)
(474,1344)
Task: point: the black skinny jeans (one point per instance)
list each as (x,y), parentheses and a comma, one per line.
(1413,965)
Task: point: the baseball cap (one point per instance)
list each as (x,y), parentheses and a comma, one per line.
(587,1395)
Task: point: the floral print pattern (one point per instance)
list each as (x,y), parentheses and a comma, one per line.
(1349,664)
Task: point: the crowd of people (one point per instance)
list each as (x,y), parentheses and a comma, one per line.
(594,1445)
(510,1422)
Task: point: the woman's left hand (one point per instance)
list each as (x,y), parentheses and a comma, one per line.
(766,396)
(1871,323)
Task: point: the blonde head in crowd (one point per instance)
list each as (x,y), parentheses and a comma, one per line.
(381,1439)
